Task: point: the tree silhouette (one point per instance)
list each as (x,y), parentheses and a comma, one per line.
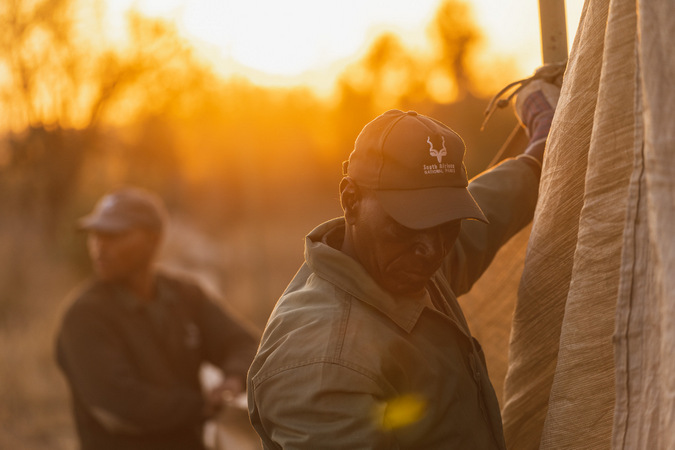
(62,83)
(456,36)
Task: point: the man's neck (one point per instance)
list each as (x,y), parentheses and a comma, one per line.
(142,285)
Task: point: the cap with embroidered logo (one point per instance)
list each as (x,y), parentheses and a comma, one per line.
(124,209)
(415,166)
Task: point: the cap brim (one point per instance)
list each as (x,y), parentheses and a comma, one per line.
(425,208)
(105,224)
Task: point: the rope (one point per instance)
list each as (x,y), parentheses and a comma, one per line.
(551,73)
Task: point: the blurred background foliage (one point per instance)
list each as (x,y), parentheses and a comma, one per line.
(246,170)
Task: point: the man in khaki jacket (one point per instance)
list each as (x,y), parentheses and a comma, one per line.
(368,347)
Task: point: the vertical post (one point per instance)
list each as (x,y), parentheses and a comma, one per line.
(553,28)
(553,31)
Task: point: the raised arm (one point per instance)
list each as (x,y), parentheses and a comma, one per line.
(508,195)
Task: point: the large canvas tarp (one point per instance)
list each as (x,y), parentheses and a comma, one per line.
(645,329)
(592,337)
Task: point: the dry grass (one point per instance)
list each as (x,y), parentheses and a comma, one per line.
(34,410)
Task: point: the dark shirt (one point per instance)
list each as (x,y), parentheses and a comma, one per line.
(133,367)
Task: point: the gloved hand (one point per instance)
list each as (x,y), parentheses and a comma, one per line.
(535,104)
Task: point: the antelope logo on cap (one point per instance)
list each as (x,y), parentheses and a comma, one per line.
(439,154)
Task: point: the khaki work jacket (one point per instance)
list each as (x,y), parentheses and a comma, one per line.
(343,364)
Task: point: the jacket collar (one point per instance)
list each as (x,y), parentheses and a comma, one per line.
(327,261)
(133,303)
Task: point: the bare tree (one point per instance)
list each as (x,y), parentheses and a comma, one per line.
(456,35)
(61,83)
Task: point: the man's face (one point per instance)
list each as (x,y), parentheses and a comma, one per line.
(121,256)
(400,259)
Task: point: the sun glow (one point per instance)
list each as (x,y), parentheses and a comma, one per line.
(307,42)
(285,42)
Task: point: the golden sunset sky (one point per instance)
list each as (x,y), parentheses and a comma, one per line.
(296,42)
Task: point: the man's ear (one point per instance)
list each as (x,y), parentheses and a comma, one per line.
(349,199)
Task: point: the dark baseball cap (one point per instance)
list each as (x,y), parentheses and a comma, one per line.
(125,209)
(415,166)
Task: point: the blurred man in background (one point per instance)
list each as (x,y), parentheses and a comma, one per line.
(368,347)
(132,343)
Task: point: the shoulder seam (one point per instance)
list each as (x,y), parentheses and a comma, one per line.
(260,379)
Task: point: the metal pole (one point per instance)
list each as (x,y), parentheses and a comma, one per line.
(553,31)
